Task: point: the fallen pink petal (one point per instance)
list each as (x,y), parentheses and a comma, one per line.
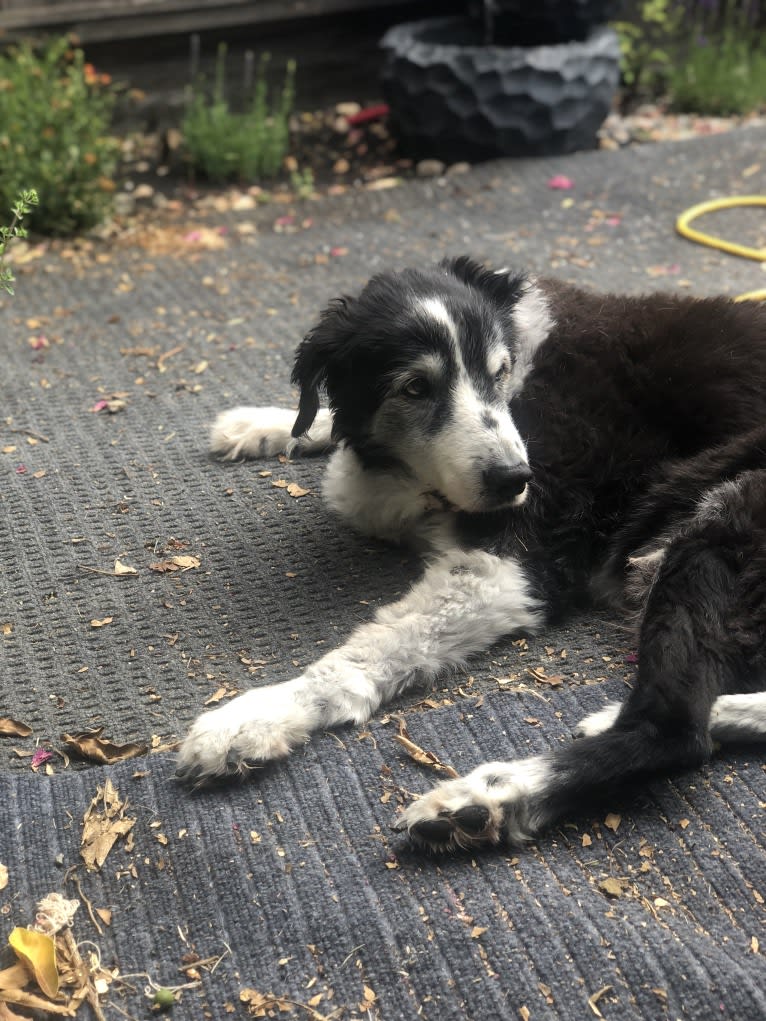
(561,183)
(40,757)
(100,405)
(370,113)
(21,469)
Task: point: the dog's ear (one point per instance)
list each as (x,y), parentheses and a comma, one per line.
(314,358)
(502,286)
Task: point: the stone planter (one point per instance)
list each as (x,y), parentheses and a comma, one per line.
(454,98)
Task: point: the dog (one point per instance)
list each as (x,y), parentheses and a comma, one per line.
(547,447)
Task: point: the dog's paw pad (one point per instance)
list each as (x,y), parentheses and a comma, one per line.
(473,819)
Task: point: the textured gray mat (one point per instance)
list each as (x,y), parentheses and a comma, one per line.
(300,877)
(180,332)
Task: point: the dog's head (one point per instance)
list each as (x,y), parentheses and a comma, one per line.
(419,370)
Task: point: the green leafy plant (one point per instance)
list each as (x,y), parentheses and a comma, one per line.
(302,182)
(20,208)
(55,112)
(222,144)
(647,45)
(723,69)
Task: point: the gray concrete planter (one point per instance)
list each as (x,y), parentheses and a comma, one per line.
(453,98)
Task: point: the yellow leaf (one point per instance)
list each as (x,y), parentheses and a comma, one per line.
(38,952)
(611,887)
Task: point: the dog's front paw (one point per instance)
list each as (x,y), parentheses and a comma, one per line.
(492,803)
(258,727)
(252,432)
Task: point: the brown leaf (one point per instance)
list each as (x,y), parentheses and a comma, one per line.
(90,745)
(264,1004)
(612,821)
(419,754)
(3,876)
(12,728)
(297,491)
(101,623)
(611,887)
(180,563)
(103,825)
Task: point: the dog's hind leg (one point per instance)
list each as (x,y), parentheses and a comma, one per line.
(266,432)
(464,602)
(700,648)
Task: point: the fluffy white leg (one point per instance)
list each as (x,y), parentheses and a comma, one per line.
(463,603)
(739,718)
(598,722)
(265,432)
(494,802)
(733,718)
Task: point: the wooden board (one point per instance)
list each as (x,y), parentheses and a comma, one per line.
(101,20)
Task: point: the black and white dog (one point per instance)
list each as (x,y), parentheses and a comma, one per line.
(546,445)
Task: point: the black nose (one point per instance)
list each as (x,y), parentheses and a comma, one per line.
(504,481)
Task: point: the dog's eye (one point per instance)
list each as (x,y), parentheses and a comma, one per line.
(417,387)
(503,372)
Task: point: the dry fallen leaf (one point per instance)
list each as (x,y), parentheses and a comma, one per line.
(4,877)
(296,491)
(90,745)
(180,563)
(38,953)
(103,824)
(12,728)
(264,1004)
(419,754)
(611,887)
(612,821)
(121,569)
(101,623)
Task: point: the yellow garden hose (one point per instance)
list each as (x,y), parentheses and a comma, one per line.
(683,228)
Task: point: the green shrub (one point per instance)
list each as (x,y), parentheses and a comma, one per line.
(21,208)
(55,113)
(723,70)
(223,145)
(648,42)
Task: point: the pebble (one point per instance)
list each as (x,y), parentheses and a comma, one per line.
(347,109)
(429,168)
(458,168)
(124,204)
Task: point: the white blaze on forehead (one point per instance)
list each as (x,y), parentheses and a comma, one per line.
(435,310)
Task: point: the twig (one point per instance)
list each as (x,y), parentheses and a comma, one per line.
(32,433)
